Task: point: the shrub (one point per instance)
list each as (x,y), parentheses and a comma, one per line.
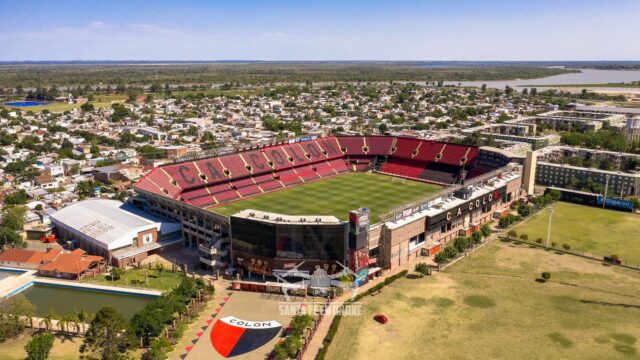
(39,346)
(422,268)
(512,234)
(476,237)
(546,275)
(553,244)
(566,246)
(450,252)
(539,240)
(524,237)
(485,230)
(461,243)
(440,258)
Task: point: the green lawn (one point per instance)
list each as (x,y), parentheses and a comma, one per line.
(101,101)
(136,278)
(490,306)
(589,229)
(337,196)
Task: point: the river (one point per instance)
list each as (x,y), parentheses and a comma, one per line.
(585,76)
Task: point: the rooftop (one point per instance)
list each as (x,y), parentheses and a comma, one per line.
(276,218)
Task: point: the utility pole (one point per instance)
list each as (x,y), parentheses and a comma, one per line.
(606,188)
(550,211)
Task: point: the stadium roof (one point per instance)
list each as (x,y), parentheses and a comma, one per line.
(109,223)
(276,218)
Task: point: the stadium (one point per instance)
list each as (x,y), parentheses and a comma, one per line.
(372,202)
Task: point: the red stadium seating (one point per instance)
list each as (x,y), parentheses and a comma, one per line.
(307,173)
(429,150)
(403,167)
(249,190)
(330,147)
(353,145)
(257,161)
(339,165)
(216,180)
(270,185)
(324,169)
(455,154)
(277,157)
(406,148)
(289,177)
(226,196)
(235,164)
(203,201)
(379,145)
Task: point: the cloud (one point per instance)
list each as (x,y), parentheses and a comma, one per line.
(98,25)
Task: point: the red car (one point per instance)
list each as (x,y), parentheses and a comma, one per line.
(381,319)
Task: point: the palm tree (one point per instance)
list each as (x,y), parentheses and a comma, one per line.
(65,321)
(48,319)
(83,316)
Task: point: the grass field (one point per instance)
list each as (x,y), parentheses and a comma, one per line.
(136,278)
(591,230)
(336,196)
(101,101)
(490,306)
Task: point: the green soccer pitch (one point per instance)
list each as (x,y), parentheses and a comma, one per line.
(336,196)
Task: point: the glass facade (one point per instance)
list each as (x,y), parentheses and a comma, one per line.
(289,241)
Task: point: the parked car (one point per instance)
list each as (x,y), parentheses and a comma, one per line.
(381,319)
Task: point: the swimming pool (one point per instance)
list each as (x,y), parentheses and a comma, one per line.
(26,103)
(5,273)
(65,300)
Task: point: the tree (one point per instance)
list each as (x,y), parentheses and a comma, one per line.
(158,349)
(10,238)
(39,346)
(13,217)
(461,243)
(13,312)
(109,335)
(85,188)
(47,320)
(82,316)
(87,107)
(115,273)
(16,198)
(485,230)
(476,237)
(159,267)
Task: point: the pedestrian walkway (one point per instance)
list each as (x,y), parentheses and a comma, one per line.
(14,284)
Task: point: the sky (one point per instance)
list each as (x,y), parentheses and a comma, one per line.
(319,30)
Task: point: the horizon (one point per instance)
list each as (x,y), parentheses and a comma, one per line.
(469,30)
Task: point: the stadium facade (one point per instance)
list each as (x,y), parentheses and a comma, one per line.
(480,184)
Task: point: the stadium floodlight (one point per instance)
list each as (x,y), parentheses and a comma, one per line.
(550,210)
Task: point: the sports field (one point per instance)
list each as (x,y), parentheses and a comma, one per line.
(589,229)
(336,196)
(490,306)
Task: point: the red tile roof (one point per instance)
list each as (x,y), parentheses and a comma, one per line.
(76,262)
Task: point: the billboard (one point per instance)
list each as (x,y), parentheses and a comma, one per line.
(484,203)
(359,221)
(615,203)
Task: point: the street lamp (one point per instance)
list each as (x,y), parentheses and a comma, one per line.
(550,211)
